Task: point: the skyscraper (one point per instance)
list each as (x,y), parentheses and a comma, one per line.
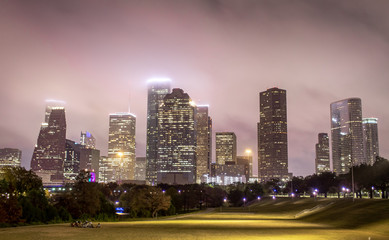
(322,160)
(346,134)
(89,160)
(72,160)
(157,89)
(10,157)
(121,147)
(176,160)
(370,136)
(140,168)
(204,142)
(49,153)
(104,171)
(225,148)
(272,135)
(87,140)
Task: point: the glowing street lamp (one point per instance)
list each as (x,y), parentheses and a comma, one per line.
(244,202)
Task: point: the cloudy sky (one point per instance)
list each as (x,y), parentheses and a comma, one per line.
(97,56)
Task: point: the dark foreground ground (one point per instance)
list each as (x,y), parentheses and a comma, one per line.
(259,221)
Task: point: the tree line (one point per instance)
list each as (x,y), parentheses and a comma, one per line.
(23,200)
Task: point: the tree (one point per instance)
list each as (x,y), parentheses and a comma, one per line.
(144,200)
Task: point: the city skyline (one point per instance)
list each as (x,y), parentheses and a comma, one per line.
(239,51)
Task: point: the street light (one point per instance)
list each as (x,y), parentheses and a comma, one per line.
(244,202)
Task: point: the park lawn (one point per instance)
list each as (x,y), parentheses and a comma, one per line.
(200,226)
(265,219)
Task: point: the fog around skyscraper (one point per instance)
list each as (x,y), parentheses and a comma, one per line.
(222,53)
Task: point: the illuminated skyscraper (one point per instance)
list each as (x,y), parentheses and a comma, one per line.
(204,142)
(49,153)
(104,172)
(72,160)
(121,147)
(89,160)
(225,148)
(346,134)
(176,160)
(10,157)
(140,169)
(322,161)
(272,135)
(370,135)
(87,140)
(157,89)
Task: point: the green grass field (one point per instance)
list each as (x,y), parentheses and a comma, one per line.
(263,220)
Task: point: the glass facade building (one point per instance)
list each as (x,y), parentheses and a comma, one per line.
(322,160)
(157,89)
(204,142)
(87,140)
(49,153)
(346,134)
(370,136)
(72,160)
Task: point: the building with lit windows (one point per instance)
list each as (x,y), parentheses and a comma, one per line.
(346,134)
(49,153)
(228,174)
(322,160)
(370,137)
(204,142)
(10,157)
(121,147)
(157,89)
(225,148)
(104,171)
(89,160)
(272,135)
(87,140)
(72,161)
(176,160)
(140,168)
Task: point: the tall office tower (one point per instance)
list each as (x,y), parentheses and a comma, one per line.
(370,136)
(103,169)
(49,153)
(89,160)
(140,169)
(225,148)
(204,142)
(71,166)
(346,134)
(176,159)
(10,157)
(121,147)
(272,135)
(322,160)
(87,140)
(157,89)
